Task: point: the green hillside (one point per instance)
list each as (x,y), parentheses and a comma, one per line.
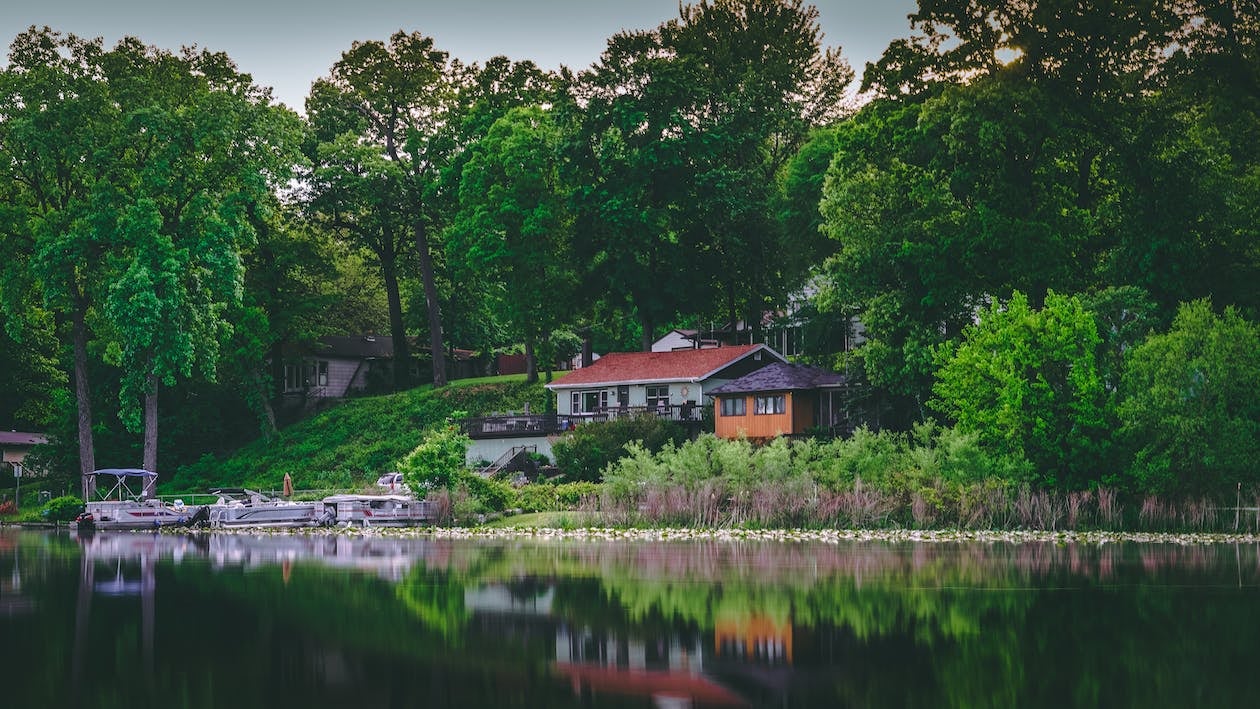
(357,440)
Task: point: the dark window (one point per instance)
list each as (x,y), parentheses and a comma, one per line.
(734,407)
(657,397)
(774,404)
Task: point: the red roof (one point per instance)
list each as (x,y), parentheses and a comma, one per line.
(637,367)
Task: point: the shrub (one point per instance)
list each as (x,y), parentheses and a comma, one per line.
(62,509)
(1189,410)
(584,453)
(439,459)
(494,495)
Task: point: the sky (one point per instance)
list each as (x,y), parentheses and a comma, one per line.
(287,44)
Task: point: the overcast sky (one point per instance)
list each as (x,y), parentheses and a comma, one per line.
(287,44)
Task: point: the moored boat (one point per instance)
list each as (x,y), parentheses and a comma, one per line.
(120,508)
(241,507)
(378,510)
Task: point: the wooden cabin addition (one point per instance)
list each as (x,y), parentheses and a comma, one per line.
(780,399)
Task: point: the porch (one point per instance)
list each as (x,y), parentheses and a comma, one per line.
(525,425)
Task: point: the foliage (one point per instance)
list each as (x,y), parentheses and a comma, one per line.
(395,103)
(356,441)
(62,509)
(675,147)
(493,495)
(513,223)
(1027,382)
(1189,407)
(545,497)
(583,454)
(438,460)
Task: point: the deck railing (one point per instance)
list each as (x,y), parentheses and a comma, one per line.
(520,425)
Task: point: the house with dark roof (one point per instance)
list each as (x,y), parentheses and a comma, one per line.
(16,445)
(336,366)
(780,399)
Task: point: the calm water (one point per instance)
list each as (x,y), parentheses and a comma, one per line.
(139,620)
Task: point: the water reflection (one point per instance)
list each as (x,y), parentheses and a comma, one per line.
(338,620)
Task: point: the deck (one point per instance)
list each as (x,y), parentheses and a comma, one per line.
(522,425)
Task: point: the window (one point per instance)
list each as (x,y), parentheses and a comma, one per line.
(587,402)
(658,397)
(734,406)
(774,404)
(316,374)
(292,377)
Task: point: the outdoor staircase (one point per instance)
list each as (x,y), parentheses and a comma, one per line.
(509,460)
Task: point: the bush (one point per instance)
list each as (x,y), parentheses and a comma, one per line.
(439,459)
(546,497)
(583,454)
(494,495)
(1188,407)
(62,509)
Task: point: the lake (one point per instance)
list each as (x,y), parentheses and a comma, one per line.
(212,620)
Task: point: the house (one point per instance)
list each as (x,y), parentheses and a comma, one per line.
(677,339)
(16,445)
(337,366)
(781,399)
(672,383)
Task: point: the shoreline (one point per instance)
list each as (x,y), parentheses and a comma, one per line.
(679,534)
(826,536)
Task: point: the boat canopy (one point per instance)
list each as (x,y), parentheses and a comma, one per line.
(125,473)
(121,488)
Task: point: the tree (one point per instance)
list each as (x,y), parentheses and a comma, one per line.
(1188,407)
(55,116)
(199,150)
(135,170)
(401,98)
(681,132)
(354,192)
(1027,382)
(512,222)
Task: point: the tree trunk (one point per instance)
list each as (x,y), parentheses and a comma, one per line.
(531,363)
(83,395)
(264,402)
(645,341)
(402,353)
(433,305)
(588,349)
(150,434)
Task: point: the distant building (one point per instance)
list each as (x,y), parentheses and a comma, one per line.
(337,366)
(16,445)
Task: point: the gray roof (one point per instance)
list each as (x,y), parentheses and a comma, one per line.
(21,438)
(781,376)
(355,347)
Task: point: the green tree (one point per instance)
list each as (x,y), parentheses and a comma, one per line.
(402,100)
(1027,382)
(1188,409)
(681,132)
(354,193)
(199,150)
(513,222)
(57,119)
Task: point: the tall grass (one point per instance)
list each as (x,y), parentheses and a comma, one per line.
(932,478)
